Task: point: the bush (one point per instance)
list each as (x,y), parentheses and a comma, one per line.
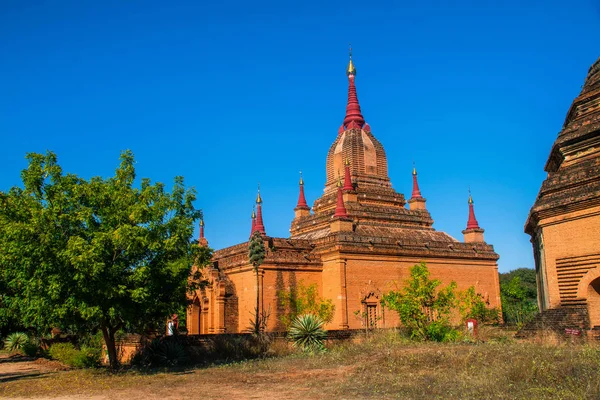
(30,349)
(307,333)
(161,352)
(440,332)
(86,357)
(15,341)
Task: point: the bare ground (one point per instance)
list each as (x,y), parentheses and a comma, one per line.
(24,377)
(382,368)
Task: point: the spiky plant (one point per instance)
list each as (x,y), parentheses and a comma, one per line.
(15,341)
(307,333)
(171,353)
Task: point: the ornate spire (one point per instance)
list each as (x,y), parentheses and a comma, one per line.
(350,70)
(301,199)
(347,178)
(416,193)
(472,222)
(340,209)
(259,226)
(353,113)
(202,240)
(253,221)
(258,198)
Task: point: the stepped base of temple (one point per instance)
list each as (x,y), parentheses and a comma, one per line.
(564,320)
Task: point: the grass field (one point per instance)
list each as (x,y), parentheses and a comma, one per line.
(383,366)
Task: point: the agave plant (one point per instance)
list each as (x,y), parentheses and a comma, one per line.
(307,332)
(170,353)
(16,341)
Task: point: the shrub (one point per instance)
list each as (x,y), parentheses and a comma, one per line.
(15,341)
(30,349)
(303,300)
(419,303)
(86,357)
(439,331)
(161,352)
(307,333)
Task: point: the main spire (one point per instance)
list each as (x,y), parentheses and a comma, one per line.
(354,118)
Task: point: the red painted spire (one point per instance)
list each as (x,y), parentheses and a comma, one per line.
(253,222)
(202,229)
(340,209)
(259,227)
(353,113)
(301,199)
(347,178)
(416,193)
(472,222)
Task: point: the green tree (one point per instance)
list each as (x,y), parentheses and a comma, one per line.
(98,254)
(518,291)
(422,308)
(472,305)
(256,253)
(305,300)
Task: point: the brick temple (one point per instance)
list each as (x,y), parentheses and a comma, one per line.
(355,243)
(564,222)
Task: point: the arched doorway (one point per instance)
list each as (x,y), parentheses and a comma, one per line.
(593,301)
(194,323)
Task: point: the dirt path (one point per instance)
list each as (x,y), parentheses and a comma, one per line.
(19,367)
(23,377)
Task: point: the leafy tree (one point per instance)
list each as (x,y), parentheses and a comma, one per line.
(472,305)
(420,304)
(304,300)
(527,282)
(256,253)
(518,291)
(98,254)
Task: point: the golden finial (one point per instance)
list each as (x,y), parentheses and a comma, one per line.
(339,181)
(253,214)
(258,199)
(202,222)
(301,180)
(351,70)
(470,198)
(414,169)
(347,162)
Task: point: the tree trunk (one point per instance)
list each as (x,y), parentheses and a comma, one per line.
(258,314)
(109,340)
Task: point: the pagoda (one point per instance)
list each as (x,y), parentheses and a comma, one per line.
(356,241)
(564,222)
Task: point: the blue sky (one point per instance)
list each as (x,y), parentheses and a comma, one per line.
(229,94)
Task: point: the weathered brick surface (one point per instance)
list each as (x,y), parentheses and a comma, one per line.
(564,222)
(558,319)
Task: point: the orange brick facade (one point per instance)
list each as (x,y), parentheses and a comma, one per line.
(564,222)
(357,242)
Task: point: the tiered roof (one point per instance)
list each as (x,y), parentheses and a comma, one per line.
(573,166)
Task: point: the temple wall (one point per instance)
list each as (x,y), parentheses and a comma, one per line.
(271,281)
(244,282)
(367,279)
(571,246)
(285,280)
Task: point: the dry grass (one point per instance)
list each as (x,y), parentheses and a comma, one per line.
(383,366)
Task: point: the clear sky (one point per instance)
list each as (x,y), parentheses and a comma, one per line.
(229,94)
